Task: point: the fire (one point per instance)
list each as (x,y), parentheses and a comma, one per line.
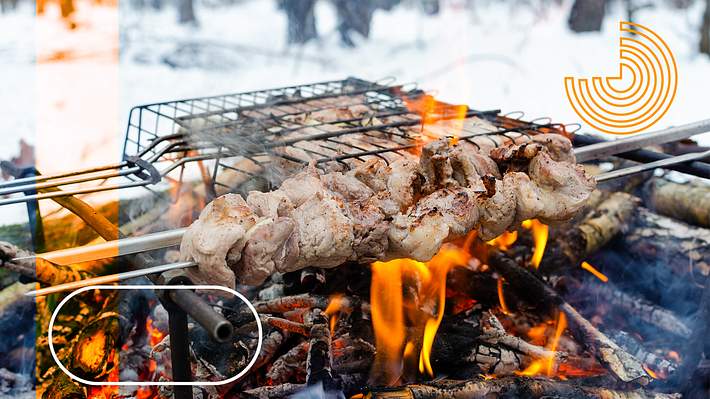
(438,119)
(505,240)
(105,391)
(540,232)
(650,372)
(501,297)
(405,328)
(333,309)
(154,334)
(591,269)
(547,365)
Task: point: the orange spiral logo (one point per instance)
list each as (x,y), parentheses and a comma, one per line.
(616,105)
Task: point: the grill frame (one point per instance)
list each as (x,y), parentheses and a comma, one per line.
(156,148)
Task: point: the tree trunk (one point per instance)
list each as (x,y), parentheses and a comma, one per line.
(186,12)
(301,20)
(705,30)
(587,15)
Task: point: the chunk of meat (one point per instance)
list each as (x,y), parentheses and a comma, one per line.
(220,229)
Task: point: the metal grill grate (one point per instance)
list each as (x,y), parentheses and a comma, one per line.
(260,134)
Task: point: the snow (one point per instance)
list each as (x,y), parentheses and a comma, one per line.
(494,56)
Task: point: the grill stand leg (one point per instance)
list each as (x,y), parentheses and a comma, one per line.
(179,351)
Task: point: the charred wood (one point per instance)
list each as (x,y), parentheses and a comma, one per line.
(621,364)
(510,387)
(290,365)
(632,345)
(684,248)
(319,361)
(639,308)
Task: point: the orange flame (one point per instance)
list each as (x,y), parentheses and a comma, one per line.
(154,334)
(505,240)
(547,365)
(425,309)
(501,297)
(438,119)
(591,269)
(540,232)
(333,309)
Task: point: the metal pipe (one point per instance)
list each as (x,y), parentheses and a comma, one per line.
(216,325)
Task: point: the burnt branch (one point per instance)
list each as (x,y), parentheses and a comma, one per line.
(621,364)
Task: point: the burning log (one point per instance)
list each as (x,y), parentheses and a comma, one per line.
(95,350)
(687,202)
(658,364)
(288,365)
(494,333)
(593,232)
(272,343)
(510,387)
(319,361)
(303,301)
(286,325)
(621,364)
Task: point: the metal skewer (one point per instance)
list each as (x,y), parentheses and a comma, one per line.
(111,278)
(608,148)
(110,249)
(693,156)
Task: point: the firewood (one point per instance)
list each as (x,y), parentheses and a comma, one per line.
(607,220)
(286,325)
(62,387)
(289,365)
(684,248)
(94,351)
(288,303)
(519,387)
(640,308)
(494,333)
(687,202)
(272,343)
(658,364)
(319,362)
(275,391)
(621,364)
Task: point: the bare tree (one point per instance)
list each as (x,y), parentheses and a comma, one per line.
(587,15)
(186,12)
(705,30)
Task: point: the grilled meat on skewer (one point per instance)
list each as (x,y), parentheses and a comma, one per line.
(381,212)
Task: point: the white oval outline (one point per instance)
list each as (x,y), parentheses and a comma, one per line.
(156,383)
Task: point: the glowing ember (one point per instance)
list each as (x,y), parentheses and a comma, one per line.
(540,232)
(591,269)
(651,372)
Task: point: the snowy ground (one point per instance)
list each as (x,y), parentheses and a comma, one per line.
(67,92)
